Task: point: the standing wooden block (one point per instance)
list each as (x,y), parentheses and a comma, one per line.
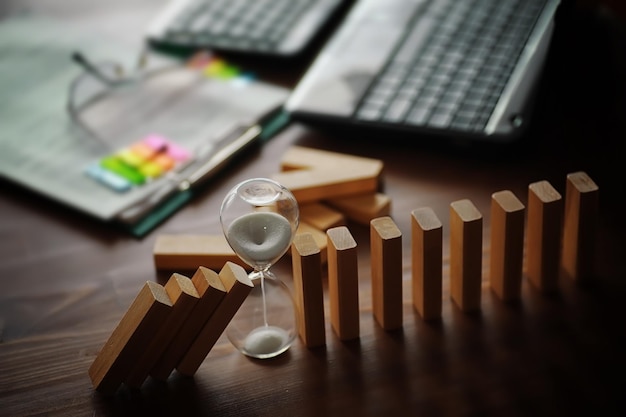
(307,282)
(426,258)
(386,261)
(319,237)
(238,286)
(579,232)
(343,283)
(184,297)
(128,341)
(507,245)
(543,240)
(363,208)
(466,236)
(210,291)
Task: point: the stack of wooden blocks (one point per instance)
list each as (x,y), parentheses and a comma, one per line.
(331,188)
(170,327)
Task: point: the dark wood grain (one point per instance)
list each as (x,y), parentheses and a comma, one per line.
(66,280)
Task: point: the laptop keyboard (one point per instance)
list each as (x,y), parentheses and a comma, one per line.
(262,26)
(452,66)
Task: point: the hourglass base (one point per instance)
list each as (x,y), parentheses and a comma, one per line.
(266,342)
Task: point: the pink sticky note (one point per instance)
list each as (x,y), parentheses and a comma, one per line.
(156,142)
(176,152)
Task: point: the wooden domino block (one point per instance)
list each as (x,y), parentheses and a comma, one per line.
(210,291)
(507,245)
(321,216)
(314,175)
(426,258)
(307,282)
(343,283)
(543,240)
(128,341)
(466,235)
(386,264)
(184,297)
(319,236)
(363,208)
(580,223)
(188,252)
(238,286)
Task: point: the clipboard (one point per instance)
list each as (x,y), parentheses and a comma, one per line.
(41,147)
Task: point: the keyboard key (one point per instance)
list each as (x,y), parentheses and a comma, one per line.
(418,116)
(397,110)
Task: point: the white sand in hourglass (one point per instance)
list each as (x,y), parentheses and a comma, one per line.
(266,341)
(260,238)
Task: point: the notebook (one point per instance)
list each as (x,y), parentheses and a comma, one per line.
(430,68)
(155,141)
(279,28)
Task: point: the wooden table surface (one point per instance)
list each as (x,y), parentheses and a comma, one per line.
(66,280)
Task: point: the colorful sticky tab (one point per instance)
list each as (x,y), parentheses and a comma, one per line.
(151,169)
(138,163)
(108,178)
(143,150)
(129,157)
(164,161)
(214,68)
(119,167)
(156,142)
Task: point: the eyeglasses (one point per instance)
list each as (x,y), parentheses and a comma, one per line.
(103,80)
(113,106)
(141,119)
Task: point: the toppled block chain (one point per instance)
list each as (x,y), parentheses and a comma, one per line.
(182,319)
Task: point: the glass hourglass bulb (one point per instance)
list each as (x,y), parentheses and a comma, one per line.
(259,218)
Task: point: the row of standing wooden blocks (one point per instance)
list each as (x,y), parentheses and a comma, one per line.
(548,252)
(175,326)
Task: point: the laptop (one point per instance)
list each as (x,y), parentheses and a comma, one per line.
(277,28)
(430,68)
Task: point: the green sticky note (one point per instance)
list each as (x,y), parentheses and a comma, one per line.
(116,165)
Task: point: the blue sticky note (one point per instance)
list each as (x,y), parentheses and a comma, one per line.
(108,178)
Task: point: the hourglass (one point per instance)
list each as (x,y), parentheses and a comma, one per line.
(259,218)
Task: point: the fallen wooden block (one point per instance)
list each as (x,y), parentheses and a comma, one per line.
(184,297)
(343,283)
(188,252)
(362,208)
(426,258)
(314,175)
(466,235)
(210,291)
(507,245)
(238,286)
(580,223)
(543,241)
(128,341)
(386,264)
(321,216)
(309,295)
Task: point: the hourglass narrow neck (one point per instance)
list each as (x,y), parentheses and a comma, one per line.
(261,273)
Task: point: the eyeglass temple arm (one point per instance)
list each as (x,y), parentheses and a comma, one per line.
(81,60)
